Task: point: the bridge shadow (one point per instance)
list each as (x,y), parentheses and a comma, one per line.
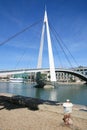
(16,102)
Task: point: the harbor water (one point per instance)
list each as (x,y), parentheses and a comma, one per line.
(75,92)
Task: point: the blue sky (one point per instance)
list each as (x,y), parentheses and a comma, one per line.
(68,17)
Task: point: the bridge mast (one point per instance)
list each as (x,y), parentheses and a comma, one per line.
(39,65)
(51,60)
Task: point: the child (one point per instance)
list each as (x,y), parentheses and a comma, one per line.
(67,111)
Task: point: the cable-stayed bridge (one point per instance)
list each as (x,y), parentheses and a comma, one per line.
(39,68)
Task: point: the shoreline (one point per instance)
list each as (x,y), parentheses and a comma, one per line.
(83,82)
(19,113)
(9,95)
(34,103)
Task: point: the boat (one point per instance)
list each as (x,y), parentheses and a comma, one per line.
(16,80)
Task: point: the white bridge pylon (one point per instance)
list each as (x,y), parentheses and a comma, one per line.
(50,52)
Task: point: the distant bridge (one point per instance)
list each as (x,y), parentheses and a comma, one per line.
(21,71)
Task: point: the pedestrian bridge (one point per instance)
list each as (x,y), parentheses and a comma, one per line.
(52,68)
(21,71)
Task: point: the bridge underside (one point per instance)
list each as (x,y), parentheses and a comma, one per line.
(79,75)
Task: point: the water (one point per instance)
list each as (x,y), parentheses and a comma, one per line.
(76,93)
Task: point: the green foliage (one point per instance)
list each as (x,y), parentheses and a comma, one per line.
(40,79)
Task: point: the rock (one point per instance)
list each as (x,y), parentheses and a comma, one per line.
(48,86)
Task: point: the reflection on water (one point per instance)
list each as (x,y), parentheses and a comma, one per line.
(76,93)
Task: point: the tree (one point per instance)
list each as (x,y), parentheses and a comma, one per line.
(40,79)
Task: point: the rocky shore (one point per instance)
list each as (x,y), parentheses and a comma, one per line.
(25,113)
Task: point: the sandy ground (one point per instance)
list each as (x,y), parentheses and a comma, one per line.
(47,117)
